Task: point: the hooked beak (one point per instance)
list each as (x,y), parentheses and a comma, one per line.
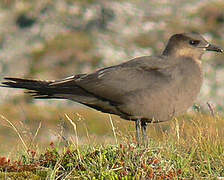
(212,47)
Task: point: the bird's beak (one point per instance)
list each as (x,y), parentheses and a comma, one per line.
(211,47)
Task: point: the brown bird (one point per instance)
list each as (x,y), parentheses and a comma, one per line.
(147,89)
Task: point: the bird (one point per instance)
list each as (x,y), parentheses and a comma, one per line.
(146,89)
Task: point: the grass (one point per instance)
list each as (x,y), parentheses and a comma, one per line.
(189,147)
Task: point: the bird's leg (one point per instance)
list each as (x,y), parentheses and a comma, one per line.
(144,132)
(137,125)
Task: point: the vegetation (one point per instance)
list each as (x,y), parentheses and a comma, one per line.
(188,147)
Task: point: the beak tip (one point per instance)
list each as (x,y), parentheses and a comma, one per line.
(212,47)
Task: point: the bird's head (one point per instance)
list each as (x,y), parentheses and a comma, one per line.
(189,45)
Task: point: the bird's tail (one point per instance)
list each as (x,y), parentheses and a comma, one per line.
(45,89)
(63,89)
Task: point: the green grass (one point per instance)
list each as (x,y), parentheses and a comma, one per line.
(126,160)
(190,147)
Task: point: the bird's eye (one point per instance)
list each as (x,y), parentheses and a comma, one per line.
(194,42)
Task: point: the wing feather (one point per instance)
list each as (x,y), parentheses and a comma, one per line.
(116,81)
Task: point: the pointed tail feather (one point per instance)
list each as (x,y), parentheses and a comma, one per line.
(24,83)
(45,89)
(35,87)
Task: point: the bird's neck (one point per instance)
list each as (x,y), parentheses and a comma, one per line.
(182,52)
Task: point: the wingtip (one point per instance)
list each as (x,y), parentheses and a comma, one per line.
(12,79)
(3,85)
(7,78)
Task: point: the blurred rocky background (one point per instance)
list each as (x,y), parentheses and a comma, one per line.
(52,39)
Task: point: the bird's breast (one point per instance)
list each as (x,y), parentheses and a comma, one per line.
(173,96)
(186,85)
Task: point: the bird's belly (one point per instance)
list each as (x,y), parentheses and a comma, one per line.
(163,104)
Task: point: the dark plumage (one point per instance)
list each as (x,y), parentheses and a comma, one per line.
(146,89)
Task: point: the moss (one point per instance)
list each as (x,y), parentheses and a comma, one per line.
(64,54)
(212,15)
(76,40)
(144,40)
(19,175)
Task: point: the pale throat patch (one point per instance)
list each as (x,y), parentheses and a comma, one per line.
(187,52)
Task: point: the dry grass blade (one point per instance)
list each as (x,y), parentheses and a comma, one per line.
(75,129)
(80,118)
(36,133)
(76,134)
(16,130)
(113,128)
(177,130)
(211,109)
